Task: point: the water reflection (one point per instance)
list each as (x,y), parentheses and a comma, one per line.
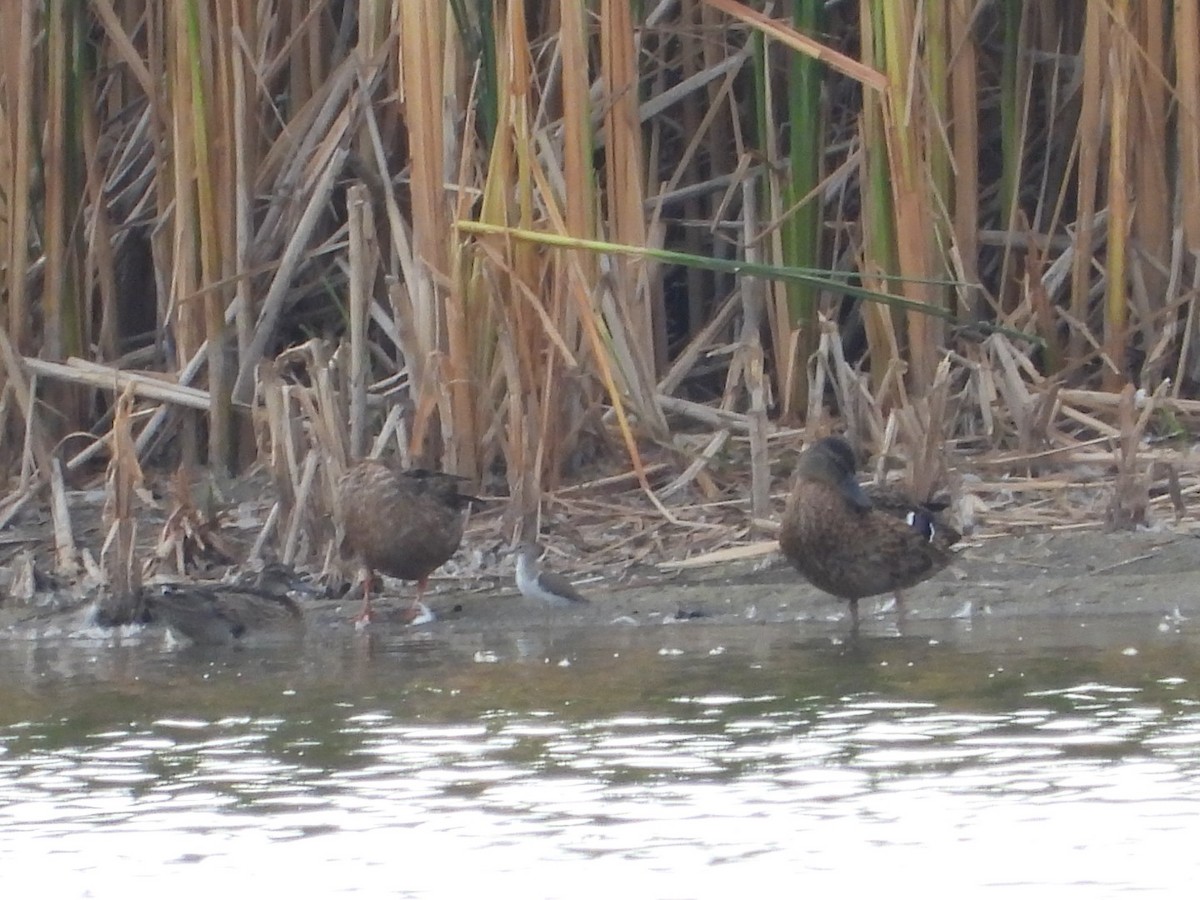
(674,762)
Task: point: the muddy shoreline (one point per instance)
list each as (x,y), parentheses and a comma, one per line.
(1155,574)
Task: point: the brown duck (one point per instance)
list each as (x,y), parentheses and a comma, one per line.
(403,523)
(222,614)
(854,542)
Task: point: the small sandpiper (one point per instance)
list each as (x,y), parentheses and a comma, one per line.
(544,586)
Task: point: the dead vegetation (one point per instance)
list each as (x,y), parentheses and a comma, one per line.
(615,270)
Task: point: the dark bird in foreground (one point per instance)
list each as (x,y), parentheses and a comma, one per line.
(854,542)
(400,523)
(537,584)
(221,614)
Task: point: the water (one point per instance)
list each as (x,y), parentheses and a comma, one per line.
(693,760)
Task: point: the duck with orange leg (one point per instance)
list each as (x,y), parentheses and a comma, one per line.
(855,542)
(402,523)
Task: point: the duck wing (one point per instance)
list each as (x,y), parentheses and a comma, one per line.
(220,614)
(924,519)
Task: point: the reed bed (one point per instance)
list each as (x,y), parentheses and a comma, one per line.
(613,262)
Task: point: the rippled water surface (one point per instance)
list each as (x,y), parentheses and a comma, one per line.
(681,761)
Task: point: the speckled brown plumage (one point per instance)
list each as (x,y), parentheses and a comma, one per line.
(216,614)
(401,523)
(854,542)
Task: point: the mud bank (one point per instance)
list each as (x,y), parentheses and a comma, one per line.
(1038,576)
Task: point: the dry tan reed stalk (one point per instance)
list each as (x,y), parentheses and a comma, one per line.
(886,443)
(191,537)
(965,136)
(1093,58)
(423,59)
(296,521)
(1152,223)
(33,432)
(1130,495)
(1016,394)
(714,446)
(1116,301)
(81,371)
(12,504)
(783,33)
(750,366)
(1174,491)
(278,435)
(924,426)
(26,395)
(18,172)
(815,415)
(1112,431)
(6,409)
(272,304)
(627,301)
(306,428)
(259,548)
(1187,88)
(1131,492)
(706,415)
(122,483)
(66,554)
(612,482)
(292,467)
(362,278)
(393,428)
(756,550)
(320,405)
(1108,401)
(860,409)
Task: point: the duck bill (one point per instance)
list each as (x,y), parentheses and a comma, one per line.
(853,492)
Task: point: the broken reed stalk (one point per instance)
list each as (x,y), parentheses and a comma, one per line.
(118,604)
(82,371)
(293,254)
(298,442)
(750,352)
(258,548)
(191,538)
(714,446)
(362,278)
(305,429)
(295,530)
(26,395)
(1130,496)
(924,423)
(66,555)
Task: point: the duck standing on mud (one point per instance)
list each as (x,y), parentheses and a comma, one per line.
(402,523)
(854,542)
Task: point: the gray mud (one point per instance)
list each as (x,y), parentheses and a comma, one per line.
(1081,574)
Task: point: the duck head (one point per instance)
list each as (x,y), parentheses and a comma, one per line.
(831,461)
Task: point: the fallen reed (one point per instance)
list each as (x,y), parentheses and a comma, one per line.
(588,246)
